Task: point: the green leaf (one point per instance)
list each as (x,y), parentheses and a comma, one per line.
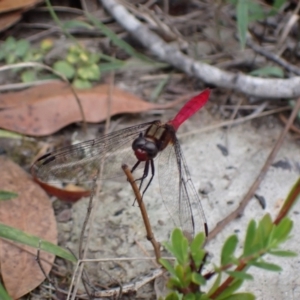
(268,71)
(29,56)
(242,20)
(82,84)
(215,285)
(240,275)
(90,72)
(179,272)
(203,297)
(195,248)
(228,250)
(10,44)
(180,246)
(76,24)
(72,58)
(46,45)
(276,7)
(197,242)
(94,58)
(10,134)
(278,3)
(198,257)
(250,236)
(6,195)
(264,229)
(281,231)
(173,296)
(3,293)
(187,276)
(10,58)
(240,296)
(283,253)
(266,266)
(84,57)
(184,275)
(174,283)
(198,279)
(256,12)
(64,68)
(22,47)
(37,57)
(189,296)
(230,289)
(107,67)
(168,266)
(28,76)
(17,235)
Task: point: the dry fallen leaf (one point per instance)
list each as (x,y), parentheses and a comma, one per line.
(11,11)
(8,19)
(44,109)
(32,213)
(66,194)
(9,5)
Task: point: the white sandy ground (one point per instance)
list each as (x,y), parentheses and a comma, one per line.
(118,230)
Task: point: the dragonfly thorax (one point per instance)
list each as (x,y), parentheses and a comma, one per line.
(144,149)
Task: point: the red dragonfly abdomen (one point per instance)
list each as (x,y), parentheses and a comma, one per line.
(190,108)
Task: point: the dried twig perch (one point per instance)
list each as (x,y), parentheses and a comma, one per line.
(142,207)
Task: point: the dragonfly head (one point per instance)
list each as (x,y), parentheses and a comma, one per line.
(144,149)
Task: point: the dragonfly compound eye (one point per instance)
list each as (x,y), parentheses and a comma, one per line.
(151,149)
(139,143)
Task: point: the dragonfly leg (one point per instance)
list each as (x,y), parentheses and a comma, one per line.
(152,175)
(145,174)
(135,166)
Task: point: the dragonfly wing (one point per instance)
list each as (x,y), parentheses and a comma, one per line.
(188,194)
(80,163)
(178,192)
(169,182)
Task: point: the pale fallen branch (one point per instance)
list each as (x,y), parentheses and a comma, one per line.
(259,87)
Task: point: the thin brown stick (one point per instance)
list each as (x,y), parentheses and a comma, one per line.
(284,211)
(259,178)
(150,235)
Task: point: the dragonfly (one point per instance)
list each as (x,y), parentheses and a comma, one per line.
(138,147)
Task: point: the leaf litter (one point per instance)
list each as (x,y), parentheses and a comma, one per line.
(43,110)
(104,233)
(31,211)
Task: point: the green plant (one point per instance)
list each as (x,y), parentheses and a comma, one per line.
(268,71)
(80,66)
(248,11)
(15,51)
(186,278)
